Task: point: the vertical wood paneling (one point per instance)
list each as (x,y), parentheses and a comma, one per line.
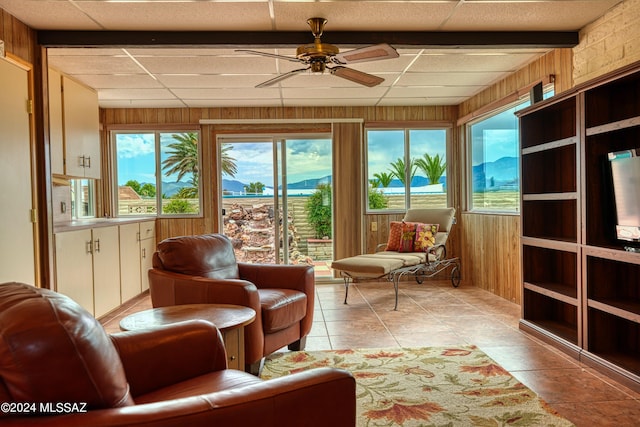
(491,254)
(347,196)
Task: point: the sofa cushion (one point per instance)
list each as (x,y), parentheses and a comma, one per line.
(206,255)
(408,237)
(281,308)
(53,350)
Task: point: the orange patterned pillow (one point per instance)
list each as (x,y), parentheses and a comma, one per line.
(408,237)
(425,236)
(395,232)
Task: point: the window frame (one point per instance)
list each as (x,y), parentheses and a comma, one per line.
(504,105)
(406,129)
(157,134)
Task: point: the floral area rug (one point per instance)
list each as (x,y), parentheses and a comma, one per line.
(433,386)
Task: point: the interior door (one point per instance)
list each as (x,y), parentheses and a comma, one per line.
(17,229)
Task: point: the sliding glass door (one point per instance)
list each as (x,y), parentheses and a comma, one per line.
(276,198)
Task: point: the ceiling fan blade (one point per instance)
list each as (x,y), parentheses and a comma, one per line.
(281,77)
(270,55)
(365,79)
(369,53)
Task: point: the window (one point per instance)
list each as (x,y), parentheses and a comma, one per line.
(83,199)
(494,153)
(406,168)
(141,189)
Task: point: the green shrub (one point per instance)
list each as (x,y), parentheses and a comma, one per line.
(177,206)
(319,211)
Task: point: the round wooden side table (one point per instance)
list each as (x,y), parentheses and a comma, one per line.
(229,319)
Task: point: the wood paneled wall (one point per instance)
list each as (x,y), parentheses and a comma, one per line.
(348,162)
(491,256)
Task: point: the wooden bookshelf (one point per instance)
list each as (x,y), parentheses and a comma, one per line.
(581,289)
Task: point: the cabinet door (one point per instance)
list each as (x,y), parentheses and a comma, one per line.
(106,270)
(147,248)
(130,285)
(16,245)
(81,130)
(55,122)
(74,271)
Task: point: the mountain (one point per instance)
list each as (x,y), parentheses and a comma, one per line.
(502,173)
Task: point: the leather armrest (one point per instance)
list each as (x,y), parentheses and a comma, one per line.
(169,354)
(315,398)
(169,288)
(298,277)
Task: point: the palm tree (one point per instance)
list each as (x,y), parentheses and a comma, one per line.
(398,170)
(433,167)
(382,179)
(254,188)
(228,163)
(184,157)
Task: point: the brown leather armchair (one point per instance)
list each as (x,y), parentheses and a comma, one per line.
(58,367)
(203,269)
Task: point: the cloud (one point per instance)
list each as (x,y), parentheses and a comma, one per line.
(134,145)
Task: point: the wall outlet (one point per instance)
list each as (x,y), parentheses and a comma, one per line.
(374,226)
(1,49)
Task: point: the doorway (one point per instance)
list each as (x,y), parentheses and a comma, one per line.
(276,198)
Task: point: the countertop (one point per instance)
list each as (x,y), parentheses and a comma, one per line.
(82,224)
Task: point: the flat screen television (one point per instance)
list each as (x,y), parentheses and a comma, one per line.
(625,174)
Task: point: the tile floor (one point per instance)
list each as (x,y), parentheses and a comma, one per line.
(436,314)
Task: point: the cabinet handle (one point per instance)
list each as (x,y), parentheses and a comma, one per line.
(89,247)
(96,245)
(87,162)
(144,252)
(138,236)
(81,161)
(232,358)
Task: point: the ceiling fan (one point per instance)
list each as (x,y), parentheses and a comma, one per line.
(317,56)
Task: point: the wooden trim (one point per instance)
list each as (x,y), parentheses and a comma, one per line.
(422,124)
(153,127)
(230,39)
(276,121)
(508,99)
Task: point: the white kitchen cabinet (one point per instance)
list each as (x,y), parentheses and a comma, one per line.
(81,124)
(137,243)
(130,285)
(147,248)
(56,134)
(74,132)
(106,270)
(88,268)
(74,266)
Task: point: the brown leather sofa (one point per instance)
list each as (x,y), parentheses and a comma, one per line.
(203,269)
(58,367)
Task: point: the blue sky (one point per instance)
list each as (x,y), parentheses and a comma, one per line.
(136,157)
(386,146)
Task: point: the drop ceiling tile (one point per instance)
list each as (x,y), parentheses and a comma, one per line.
(178,16)
(136,94)
(335,93)
(432,91)
(239,93)
(95,65)
(460,63)
(207,65)
(526,16)
(61,15)
(106,81)
(350,15)
(390,102)
(329,102)
(469,78)
(210,81)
